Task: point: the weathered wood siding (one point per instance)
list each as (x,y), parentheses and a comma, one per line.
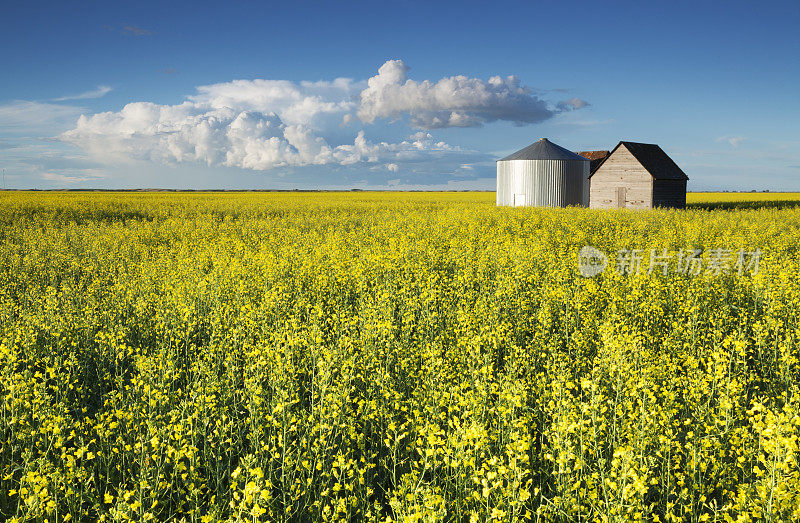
(621,169)
(669,193)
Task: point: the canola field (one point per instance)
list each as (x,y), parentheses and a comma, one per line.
(395,357)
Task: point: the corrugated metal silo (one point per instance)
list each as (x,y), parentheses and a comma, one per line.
(543,175)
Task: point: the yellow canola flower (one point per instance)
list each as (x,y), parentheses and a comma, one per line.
(394,357)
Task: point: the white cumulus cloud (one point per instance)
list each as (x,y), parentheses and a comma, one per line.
(294,103)
(267,124)
(457,101)
(249,139)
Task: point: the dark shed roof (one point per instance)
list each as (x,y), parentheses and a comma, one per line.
(654,160)
(596,158)
(543,149)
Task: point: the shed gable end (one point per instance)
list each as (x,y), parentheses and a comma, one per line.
(621,170)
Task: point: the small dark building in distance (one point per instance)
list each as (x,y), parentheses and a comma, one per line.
(595,158)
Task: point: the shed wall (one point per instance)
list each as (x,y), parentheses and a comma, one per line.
(543,183)
(621,169)
(669,193)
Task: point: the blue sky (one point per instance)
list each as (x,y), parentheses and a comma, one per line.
(429,94)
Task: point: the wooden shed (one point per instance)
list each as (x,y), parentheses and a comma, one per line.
(637,176)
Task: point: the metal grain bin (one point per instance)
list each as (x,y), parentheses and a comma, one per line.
(543,175)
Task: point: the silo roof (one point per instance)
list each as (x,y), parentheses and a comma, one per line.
(544,149)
